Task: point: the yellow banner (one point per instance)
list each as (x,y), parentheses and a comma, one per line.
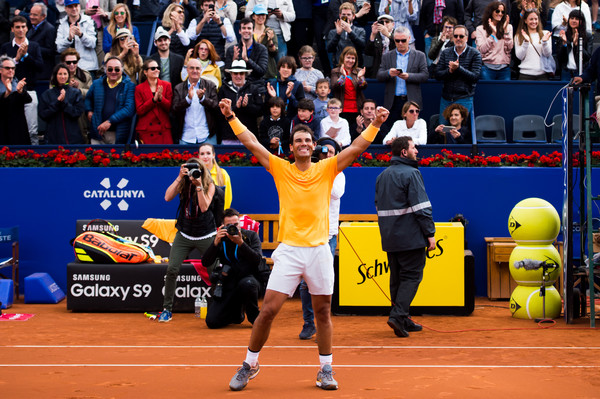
(364,271)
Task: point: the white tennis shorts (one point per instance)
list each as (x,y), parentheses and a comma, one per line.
(291,264)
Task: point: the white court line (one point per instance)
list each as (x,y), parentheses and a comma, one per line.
(436,366)
(304,347)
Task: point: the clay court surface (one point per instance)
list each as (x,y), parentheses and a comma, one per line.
(60,354)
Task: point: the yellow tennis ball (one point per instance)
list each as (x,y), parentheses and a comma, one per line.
(526,303)
(533,221)
(525,264)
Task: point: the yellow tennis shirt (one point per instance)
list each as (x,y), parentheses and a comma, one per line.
(303,200)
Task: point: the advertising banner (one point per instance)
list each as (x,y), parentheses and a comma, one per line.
(363,273)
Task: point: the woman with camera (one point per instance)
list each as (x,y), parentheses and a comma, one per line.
(127,49)
(195,223)
(457,132)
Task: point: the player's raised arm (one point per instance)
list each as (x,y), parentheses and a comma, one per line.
(362,142)
(246,137)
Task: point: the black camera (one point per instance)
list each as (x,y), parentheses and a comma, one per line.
(232,229)
(194,170)
(211,7)
(217,277)
(321,149)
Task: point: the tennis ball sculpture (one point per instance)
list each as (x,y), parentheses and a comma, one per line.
(526,303)
(526,264)
(533,221)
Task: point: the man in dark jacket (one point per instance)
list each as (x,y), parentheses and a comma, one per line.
(170,63)
(246,102)
(28,60)
(459,68)
(254,54)
(110,105)
(194,105)
(43,33)
(407,230)
(240,280)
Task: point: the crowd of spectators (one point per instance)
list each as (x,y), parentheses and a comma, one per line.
(281,62)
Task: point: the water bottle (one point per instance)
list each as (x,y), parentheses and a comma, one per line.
(197,306)
(203,308)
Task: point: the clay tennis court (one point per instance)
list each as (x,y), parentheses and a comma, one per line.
(60,354)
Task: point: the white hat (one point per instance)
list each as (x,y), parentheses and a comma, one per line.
(161,32)
(238,66)
(385,16)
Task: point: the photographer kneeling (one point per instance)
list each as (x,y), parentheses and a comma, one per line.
(242,276)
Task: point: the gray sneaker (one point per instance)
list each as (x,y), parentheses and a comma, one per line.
(241,377)
(325,378)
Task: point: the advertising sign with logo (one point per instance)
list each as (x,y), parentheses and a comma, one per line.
(364,273)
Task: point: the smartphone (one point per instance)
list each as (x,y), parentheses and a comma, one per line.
(94,7)
(211,7)
(345,19)
(399,71)
(448,129)
(380,22)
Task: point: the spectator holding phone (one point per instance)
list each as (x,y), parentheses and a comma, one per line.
(403,71)
(346,34)
(127,50)
(279,19)
(455,133)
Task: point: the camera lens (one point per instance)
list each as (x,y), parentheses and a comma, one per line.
(232,230)
(195,173)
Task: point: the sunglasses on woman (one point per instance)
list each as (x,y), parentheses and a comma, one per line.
(499,11)
(414,111)
(120,13)
(153,68)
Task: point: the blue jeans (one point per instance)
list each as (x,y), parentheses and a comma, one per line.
(428,41)
(465,102)
(281,47)
(491,74)
(211,140)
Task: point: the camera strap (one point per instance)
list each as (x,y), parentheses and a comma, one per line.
(234,252)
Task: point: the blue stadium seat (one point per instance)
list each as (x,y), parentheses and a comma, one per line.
(557,128)
(490,129)
(146,29)
(529,129)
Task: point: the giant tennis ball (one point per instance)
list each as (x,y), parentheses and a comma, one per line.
(533,221)
(526,303)
(526,264)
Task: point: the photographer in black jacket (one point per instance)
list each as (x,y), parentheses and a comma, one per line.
(237,283)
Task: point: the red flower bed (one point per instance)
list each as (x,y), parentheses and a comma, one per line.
(91,157)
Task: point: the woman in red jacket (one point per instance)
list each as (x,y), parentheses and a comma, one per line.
(153,102)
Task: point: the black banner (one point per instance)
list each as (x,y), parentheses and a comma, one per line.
(130,288)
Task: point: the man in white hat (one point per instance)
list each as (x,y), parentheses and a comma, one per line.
(246,101)
(170,63)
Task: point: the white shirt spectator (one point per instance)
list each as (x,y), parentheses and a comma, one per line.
(343,135)
(418,131)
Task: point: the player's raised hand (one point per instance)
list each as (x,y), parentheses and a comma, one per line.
(381,115)
(225,106)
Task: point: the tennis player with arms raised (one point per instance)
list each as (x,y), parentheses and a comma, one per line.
(304,190)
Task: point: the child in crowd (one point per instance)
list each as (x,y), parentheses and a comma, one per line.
(335,127)
(307,74)
(320,102)
(306,110)
(273,132)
